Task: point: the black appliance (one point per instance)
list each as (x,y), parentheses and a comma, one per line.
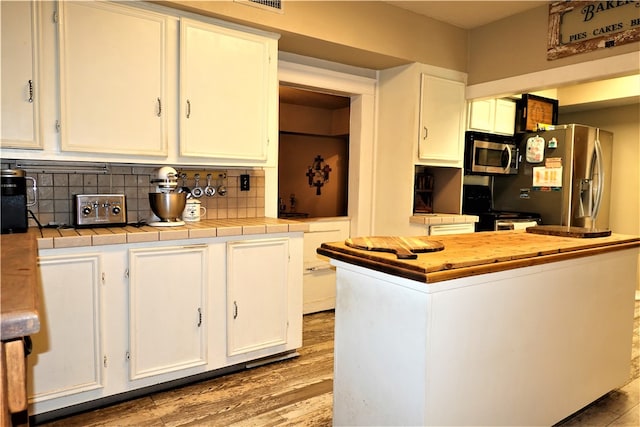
(13,213)
(476,200)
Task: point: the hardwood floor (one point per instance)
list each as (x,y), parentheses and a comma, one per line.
(298,392)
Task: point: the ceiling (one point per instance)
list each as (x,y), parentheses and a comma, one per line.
(463,14)
(468,14)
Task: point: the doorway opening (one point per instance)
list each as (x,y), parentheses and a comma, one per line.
(313,157)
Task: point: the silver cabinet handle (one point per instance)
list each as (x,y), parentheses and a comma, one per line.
(199,317)
(188,108)
(159,107)
(235,310)
(30,91)
(318,268)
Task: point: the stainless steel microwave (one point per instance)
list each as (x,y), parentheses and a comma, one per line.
(488,154)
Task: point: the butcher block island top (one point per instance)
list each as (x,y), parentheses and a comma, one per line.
(54,238)
(479,253)
(19,297)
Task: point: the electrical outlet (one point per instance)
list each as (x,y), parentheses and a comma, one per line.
(244,183)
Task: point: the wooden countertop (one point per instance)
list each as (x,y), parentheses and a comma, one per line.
(18,294)
(479,253)
(53,238)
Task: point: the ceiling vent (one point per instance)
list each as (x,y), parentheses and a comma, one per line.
(272,5)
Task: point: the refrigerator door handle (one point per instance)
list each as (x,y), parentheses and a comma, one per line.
(586,198)
(600,183)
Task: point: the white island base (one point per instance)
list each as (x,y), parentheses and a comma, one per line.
(527,346)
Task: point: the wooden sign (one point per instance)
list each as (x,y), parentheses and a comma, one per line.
(583,26)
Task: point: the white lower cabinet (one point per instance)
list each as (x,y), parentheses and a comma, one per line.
(167,301)
(319,277)
(67,362)
(257,294)
(119,318)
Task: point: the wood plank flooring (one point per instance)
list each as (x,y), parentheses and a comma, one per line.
(298,392)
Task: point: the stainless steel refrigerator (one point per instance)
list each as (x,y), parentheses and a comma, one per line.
(564,175)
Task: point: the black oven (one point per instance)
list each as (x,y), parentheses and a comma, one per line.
(476,200)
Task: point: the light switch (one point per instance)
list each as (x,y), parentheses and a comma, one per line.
(244,183)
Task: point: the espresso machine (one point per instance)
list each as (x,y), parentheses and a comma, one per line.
(14,200)
(166,202)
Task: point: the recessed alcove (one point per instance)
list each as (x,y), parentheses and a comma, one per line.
(313,159)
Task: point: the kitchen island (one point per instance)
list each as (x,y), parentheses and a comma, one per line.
(499,328)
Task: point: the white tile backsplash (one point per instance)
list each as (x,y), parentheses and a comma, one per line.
(56,189)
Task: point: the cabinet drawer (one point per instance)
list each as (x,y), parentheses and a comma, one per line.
(440,230)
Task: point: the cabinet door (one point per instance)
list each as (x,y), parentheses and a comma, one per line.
(257,289)
(226,91)
(505,117)
(20,75)
(482,115)
(167,322)
(319,277)
(442,106)
(112,79)
(67,356)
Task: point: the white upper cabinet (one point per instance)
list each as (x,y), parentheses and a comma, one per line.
(442,105)
(113,65)
(482,115)
(20,75)
(505,118)
(492,116)
(228,93)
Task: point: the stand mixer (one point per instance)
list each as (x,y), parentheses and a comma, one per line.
(166,203)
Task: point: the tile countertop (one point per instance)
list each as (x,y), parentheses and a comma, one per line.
(437,219)
(53,238)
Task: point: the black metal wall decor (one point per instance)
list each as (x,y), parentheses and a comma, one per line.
(318,174)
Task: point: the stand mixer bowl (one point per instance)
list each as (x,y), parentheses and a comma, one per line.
(168,206)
